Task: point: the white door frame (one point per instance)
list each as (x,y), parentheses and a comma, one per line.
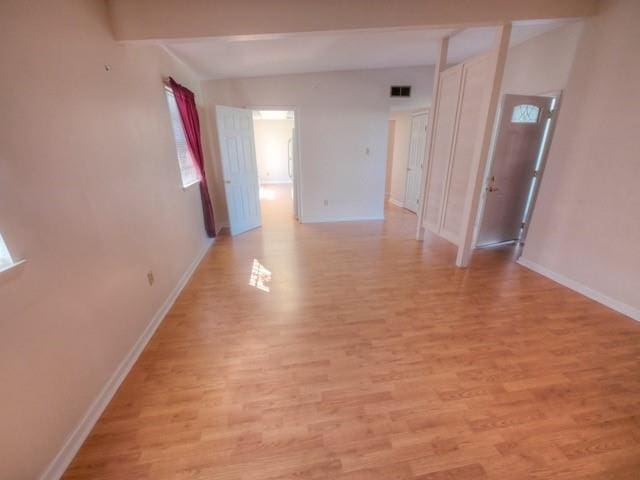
(543,163)
(297,160)
(557,94)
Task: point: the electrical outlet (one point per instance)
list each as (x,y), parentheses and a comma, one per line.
(150,277)
(326,203)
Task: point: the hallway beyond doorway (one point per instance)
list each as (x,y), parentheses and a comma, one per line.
(276,203)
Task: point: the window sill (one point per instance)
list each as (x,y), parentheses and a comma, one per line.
(11,266)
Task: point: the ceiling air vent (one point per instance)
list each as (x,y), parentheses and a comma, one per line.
(401,90)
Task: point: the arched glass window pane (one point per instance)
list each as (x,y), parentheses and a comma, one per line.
(525,114)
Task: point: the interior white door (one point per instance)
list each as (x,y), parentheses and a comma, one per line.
(417,145)
(514,167)
(239,166)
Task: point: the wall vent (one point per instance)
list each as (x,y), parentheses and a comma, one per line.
(400,90)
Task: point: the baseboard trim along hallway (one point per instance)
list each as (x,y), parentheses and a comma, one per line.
(75,440)
(588,292)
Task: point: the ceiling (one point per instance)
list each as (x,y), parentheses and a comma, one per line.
(234,57)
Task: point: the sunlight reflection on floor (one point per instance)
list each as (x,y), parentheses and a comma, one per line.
(259,276)
(267,193)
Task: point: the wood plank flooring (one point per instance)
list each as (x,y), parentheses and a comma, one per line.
(349,351)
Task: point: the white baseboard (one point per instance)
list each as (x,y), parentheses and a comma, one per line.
(589,292)
(395,202)
(339,219)
(74,441)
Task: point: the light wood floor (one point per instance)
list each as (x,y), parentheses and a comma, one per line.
(366,356)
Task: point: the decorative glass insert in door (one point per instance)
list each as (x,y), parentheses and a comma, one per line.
(525,114)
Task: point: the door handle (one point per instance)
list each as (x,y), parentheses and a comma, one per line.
(227,181)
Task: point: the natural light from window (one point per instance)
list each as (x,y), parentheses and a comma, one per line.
(188,169)
(5,257)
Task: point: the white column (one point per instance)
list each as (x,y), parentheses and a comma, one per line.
(481,150)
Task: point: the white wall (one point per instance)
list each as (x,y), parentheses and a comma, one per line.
(343,120)
(272,149)
(90,195)
(586,222)
(543,63)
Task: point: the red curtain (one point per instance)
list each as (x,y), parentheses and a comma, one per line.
(186,102)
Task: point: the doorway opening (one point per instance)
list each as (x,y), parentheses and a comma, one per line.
(274,133)
(513,176)
(415,163)
(259,156)
(406,156)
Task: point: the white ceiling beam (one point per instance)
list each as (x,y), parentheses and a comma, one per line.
(138,20)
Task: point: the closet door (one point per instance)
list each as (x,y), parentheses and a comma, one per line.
(444,128)
(417,144)
(472,92)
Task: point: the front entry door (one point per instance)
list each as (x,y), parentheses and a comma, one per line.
(240,170)
(417,146)
(514,168)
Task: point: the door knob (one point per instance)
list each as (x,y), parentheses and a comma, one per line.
(227,181)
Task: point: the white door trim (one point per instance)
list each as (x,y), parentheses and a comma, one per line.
(298,206)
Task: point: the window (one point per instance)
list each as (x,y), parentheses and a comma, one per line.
(5,257)
(525,114)
(188,170)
